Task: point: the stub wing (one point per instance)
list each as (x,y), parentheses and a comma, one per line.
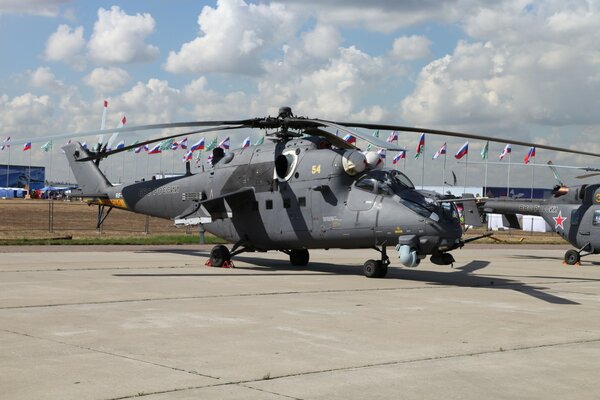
(207,210)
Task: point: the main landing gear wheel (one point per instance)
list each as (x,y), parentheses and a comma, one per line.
(375,269)
(220,256)
(572,257)
(299,257)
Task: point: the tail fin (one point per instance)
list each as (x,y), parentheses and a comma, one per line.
(87,174)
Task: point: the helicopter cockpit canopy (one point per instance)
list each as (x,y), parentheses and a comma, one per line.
(384,182)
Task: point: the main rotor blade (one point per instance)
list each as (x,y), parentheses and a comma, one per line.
(587,175)
(461,135)
(101,155)
(368,138)
(333,139)
(244,123)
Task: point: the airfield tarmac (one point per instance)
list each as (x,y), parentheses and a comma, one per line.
(121,322)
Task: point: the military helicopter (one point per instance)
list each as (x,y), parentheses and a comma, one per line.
(573,212)
(305,188)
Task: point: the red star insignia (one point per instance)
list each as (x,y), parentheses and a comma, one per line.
(559,220)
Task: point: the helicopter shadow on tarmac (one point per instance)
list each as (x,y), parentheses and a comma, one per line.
(532,257)
(461,276)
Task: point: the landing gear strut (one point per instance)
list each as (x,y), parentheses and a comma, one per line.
(377,268)
(573,257)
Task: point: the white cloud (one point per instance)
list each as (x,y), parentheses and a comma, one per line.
(44,78)
(65,45)
(106,80)
(526,67)
(322,42)
(22,113)
(46,8)
(411,47)
(234,36)
(119,38)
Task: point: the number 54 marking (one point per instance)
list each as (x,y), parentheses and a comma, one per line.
(316,169)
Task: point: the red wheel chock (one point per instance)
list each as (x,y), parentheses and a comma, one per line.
(226,264)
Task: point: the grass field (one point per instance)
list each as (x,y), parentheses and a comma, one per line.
(64,222)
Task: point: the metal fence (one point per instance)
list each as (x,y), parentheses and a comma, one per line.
(19,217)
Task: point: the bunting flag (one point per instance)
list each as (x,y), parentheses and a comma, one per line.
(155,150)
(393,137)
(375,134)
(183,143)
(212,145)
(140,148)
(27,146)
(507,150)
(381,153)
(463,151)
(188,156)
(441,151)
(530,154)
(399,156)
(421,146)
(350,138)
(484,151)
(5,143)
(225,143)
(47,146)
(133,144)
(199,145)
(120,145)
(260,141)
(246,143)
(165,144)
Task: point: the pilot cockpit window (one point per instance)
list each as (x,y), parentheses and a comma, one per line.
(366,183)
(596,220)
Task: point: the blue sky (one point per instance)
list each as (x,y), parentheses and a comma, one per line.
(517,69)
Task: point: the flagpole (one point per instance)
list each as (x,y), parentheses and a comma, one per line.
(29,174)
(50,172)
(508,180)
(444,172)
(532,178)
(466,166)
(423,170)
(123,168)
(8,167)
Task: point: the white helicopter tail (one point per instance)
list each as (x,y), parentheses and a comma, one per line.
(90,179)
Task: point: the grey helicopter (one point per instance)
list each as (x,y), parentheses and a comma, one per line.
(305,188)
(573,212)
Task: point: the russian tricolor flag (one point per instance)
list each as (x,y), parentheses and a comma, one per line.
(381,153)
(188,156)
(27,146)
(121,145)
(393,137)
(507,150)
(350,138)
(225,143)
(199,145)
(441,151)
(530,154)
(183,143)
(399,156)
(246,143)
(155,149)
(421,145)
(463,151)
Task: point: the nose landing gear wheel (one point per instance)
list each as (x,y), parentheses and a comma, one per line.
(572,257)
(219,256)
(375,269)
(299,257)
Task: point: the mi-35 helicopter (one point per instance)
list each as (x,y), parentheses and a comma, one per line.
(572,212)
(304,189)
